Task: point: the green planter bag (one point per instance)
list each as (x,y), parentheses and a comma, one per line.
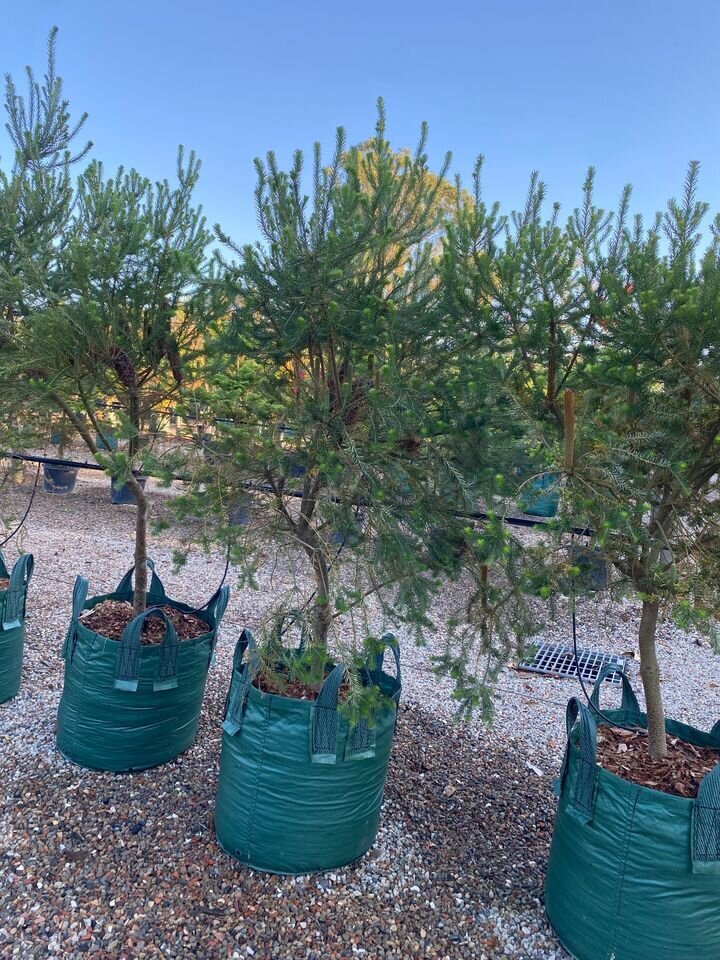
(300,789)
(125,706)
(634,874)
(12,624)
(541,497)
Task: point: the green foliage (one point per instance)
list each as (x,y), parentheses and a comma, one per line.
(322,389)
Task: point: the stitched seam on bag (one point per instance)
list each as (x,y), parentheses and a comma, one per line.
(82,687)
(621,883)
(251,830)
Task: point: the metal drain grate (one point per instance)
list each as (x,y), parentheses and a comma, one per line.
(555,660)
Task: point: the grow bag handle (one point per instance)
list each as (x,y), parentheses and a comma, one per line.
(629,700)
(127,666)
(80,592)
(705,833)
(387,640)
(15,596)
(324,717)
(582,802)
(156,594)
(242,677)
(217,605)
(215,608)
(293,617)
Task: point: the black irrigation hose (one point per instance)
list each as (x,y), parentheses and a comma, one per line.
(17,529)
(266,488)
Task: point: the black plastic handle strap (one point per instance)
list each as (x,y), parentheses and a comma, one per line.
(388,640)
(80,592)
(629,700)
(582,801)
(156,594)
(242,677)
(127,666)
(14,609)
(324,718)
(705,835)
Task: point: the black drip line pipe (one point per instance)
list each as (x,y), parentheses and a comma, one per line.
(265,488)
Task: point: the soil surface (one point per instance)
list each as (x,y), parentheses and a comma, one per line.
(112,616)
(4,584)
(625,753)
(295,689)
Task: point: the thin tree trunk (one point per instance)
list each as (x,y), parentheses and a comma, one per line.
(322,612)
(141,524)
(650,675)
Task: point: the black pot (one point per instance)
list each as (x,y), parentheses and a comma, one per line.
(121,493)
(59,480)
(240,513)
(593,565)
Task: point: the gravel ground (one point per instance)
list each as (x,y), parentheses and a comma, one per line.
(127,867)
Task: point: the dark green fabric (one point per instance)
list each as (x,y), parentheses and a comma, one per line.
(634,873)
(125,706)
(541,496)
(12,624)
(300,789)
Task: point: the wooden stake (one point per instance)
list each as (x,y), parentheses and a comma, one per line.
(569,431)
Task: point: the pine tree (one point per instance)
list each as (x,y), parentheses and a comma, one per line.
(35,206)
(648,434)
(324,376)
(129,325)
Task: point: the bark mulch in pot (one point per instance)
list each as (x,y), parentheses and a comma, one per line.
(294,689)
(625,753)
(110,618)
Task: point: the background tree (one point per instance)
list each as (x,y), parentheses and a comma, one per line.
(127,325)
(35,206)
(524,293)
(648,428)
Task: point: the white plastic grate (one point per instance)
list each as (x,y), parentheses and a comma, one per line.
(555,660)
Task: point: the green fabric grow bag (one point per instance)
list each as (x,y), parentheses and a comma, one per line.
(300,789)
(12,624)
(634,874)
(541,497)
(125,706)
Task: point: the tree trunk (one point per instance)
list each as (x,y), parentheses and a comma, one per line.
(322,614)
(141,524)
(650,675)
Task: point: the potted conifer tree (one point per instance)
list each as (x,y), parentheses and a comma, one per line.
(129,326)
(635,864)
(319,395)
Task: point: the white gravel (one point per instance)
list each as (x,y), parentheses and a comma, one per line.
(83,533)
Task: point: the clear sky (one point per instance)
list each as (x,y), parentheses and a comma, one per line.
(632,87)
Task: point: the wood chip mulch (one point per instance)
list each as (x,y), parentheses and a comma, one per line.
(112,616)
(295,689)
(625,753)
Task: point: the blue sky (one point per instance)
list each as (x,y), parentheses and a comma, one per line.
(632,87)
